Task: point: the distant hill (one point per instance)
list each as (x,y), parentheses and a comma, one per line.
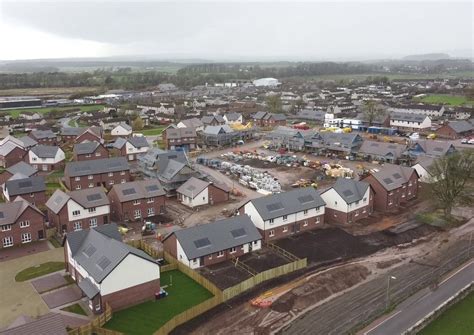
(433,56)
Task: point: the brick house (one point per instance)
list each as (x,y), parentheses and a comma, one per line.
(455,129)
(19,169)
(89,150)
(46,157)
(136,200)
(185,138)
(284,214)
(78,210)
(196,192)
(393,186)
(91,134)
(109,271)
(212,120)
(98,172)
(348,201)
(32,189)
(122,129)
(11,154)
(213,243)
(46,137)
(69,134)
(131,147)
(265,119)
(20,223)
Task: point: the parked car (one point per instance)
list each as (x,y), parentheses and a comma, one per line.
(464,141)
(471,141)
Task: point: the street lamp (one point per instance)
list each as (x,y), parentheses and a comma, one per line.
(388,290)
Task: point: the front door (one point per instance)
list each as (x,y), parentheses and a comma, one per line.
(106,219)
(296,228)
(40,234)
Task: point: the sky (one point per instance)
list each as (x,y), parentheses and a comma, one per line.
(234,30)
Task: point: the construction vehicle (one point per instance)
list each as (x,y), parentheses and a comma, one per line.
(431,136)
(148,228)
(347,130)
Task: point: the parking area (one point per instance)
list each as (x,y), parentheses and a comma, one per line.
(62,296)
(8,254)
(49,283)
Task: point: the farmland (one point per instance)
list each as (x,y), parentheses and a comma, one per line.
(446,99)
(15,113)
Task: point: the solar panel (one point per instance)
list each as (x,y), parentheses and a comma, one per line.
(397,175)
(171,171)
(129,191)
(305,198)
(388,181)
(2,216)
(203,242)
(191,187)
(274,207)
(347,193)
(82,168)
(24,184)
(94,197)
(58,200)
(89,251)
(103,262)
(152,188)
(236,233)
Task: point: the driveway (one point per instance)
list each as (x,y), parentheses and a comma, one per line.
(48,283)
(21,298)
(62,296)
(25,250)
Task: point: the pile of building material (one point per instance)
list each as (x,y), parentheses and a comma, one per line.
(337,170)
(262,182)
(286,160)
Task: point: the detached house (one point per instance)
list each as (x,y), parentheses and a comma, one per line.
(455,129)
(213,243)
(137,200)
(109,271)
(264,119)
(212,120)
(98,172)
(46,137)
(20,223)
(131,147)
(122,129)
(283,214)
(46,157)
(422,167)
(233,118)
(196,192)
(19,170)
(11,154)
(348,201)
(89,150)
(180,138)
(91,134)
(69,134)
(393,185)
(78,210)
(32,189)
(432,148)
(191,123)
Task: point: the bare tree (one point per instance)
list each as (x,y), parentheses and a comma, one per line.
(371,111)
(453,180)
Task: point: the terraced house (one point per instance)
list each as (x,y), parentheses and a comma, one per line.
(98,172)
(46,157)
(20,223)
(78,210)
(284,214)
(137,200)
(46,137)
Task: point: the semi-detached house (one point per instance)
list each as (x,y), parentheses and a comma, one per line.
(46,157)
(32,189)
(89,150)
(131,147)
(284,214)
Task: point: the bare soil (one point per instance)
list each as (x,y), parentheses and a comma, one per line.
(263,260)
(225,274)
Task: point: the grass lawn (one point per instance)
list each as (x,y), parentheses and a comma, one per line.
(453,100)
(84,108)
(148,317)
(459,319)
(76,308)
(152,131)
(40,270)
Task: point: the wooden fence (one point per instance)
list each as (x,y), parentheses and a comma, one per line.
(146,247)
(263,276)
(96,324)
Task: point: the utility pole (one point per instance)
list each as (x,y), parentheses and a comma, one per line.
(387,298)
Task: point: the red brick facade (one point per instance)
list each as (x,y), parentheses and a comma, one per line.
(64,224)
(125,211)
(45,141)
(45,166)
(217,195)
(132,295)
(274,233)
(87,136)
(37,198)
(13,157)
(446,131)
(102,179)
(100,152)
(36,228)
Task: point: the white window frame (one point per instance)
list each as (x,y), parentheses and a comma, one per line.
(150,200)
(122,173)
(285,229)
(220,254)
(136,202)
(151,211)
(7,241)
(25,238)
(233,250)
(90,177)
(137,214)
(24,224)
(305,212)
(111,174)
(317,220)
(285,217)
(92,209)
(93,223)
(78,187)
(77,226)
(7,227)
(271,221)
(271,233)
(77,178)
(76,213)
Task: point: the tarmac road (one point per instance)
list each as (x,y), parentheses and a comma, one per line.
(409,313)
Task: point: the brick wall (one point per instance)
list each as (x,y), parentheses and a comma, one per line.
(62,222)
(127,209)
(13,157)
(104,153)
(292,228)
(36,228)
(102,179)
(87,137)
(217,195)
(132,295)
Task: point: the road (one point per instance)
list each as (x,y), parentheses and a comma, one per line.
(413,310)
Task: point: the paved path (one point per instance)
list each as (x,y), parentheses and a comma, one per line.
(11,253)
(62,296)
(48,283)
(407,315)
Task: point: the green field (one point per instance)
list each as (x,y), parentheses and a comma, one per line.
(152,131)
(76,309)
(458,319)
(446,99)
(148,317)
(84,108)
(38,271)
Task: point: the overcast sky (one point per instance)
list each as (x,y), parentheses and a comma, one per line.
(234,30)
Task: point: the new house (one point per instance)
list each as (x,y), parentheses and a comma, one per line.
(264,119)
(423,169)
(46,157)
(131,147)
(69,134)
(431,148)
(283,214)
(46,137)
(109,271)
(410,121)
(382,151)
(233,118)
(11,154)
(455,129)
(137,200)
(213,243)
(212,120)
(78,210)
(196,192)
(32,189)
(194,123)
(89,150)
(219,136)
(20,223)
(393,185)
(91,134)
(19,170)
(122,129)
(180,138)
(433,111)
(348,201)
(98,172)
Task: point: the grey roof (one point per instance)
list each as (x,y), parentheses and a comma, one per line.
(57,201)
(435,148)
(192,187)
(412,117)
(220,235)
(461,126)
(90,197)
(23,168)
(96,166)
(89,289)
(25,185)
(138,141)
(11,211)
(71,131)
(425,162)
(45,151)
(6,148)
(172,168)
(40,134)
(49,324)
(385,149)
(119,143)
(176,133)
(207,119)
(100,253)
(233,116)
(350,190)
(85,148)
(285,203)
(393,176)
(308,114)
(139,189)
(28,141)
(278,117)
(259,115)
(125,126)
(192,123)
(215,130)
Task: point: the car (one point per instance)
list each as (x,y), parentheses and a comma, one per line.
(464,141)
(471,141)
